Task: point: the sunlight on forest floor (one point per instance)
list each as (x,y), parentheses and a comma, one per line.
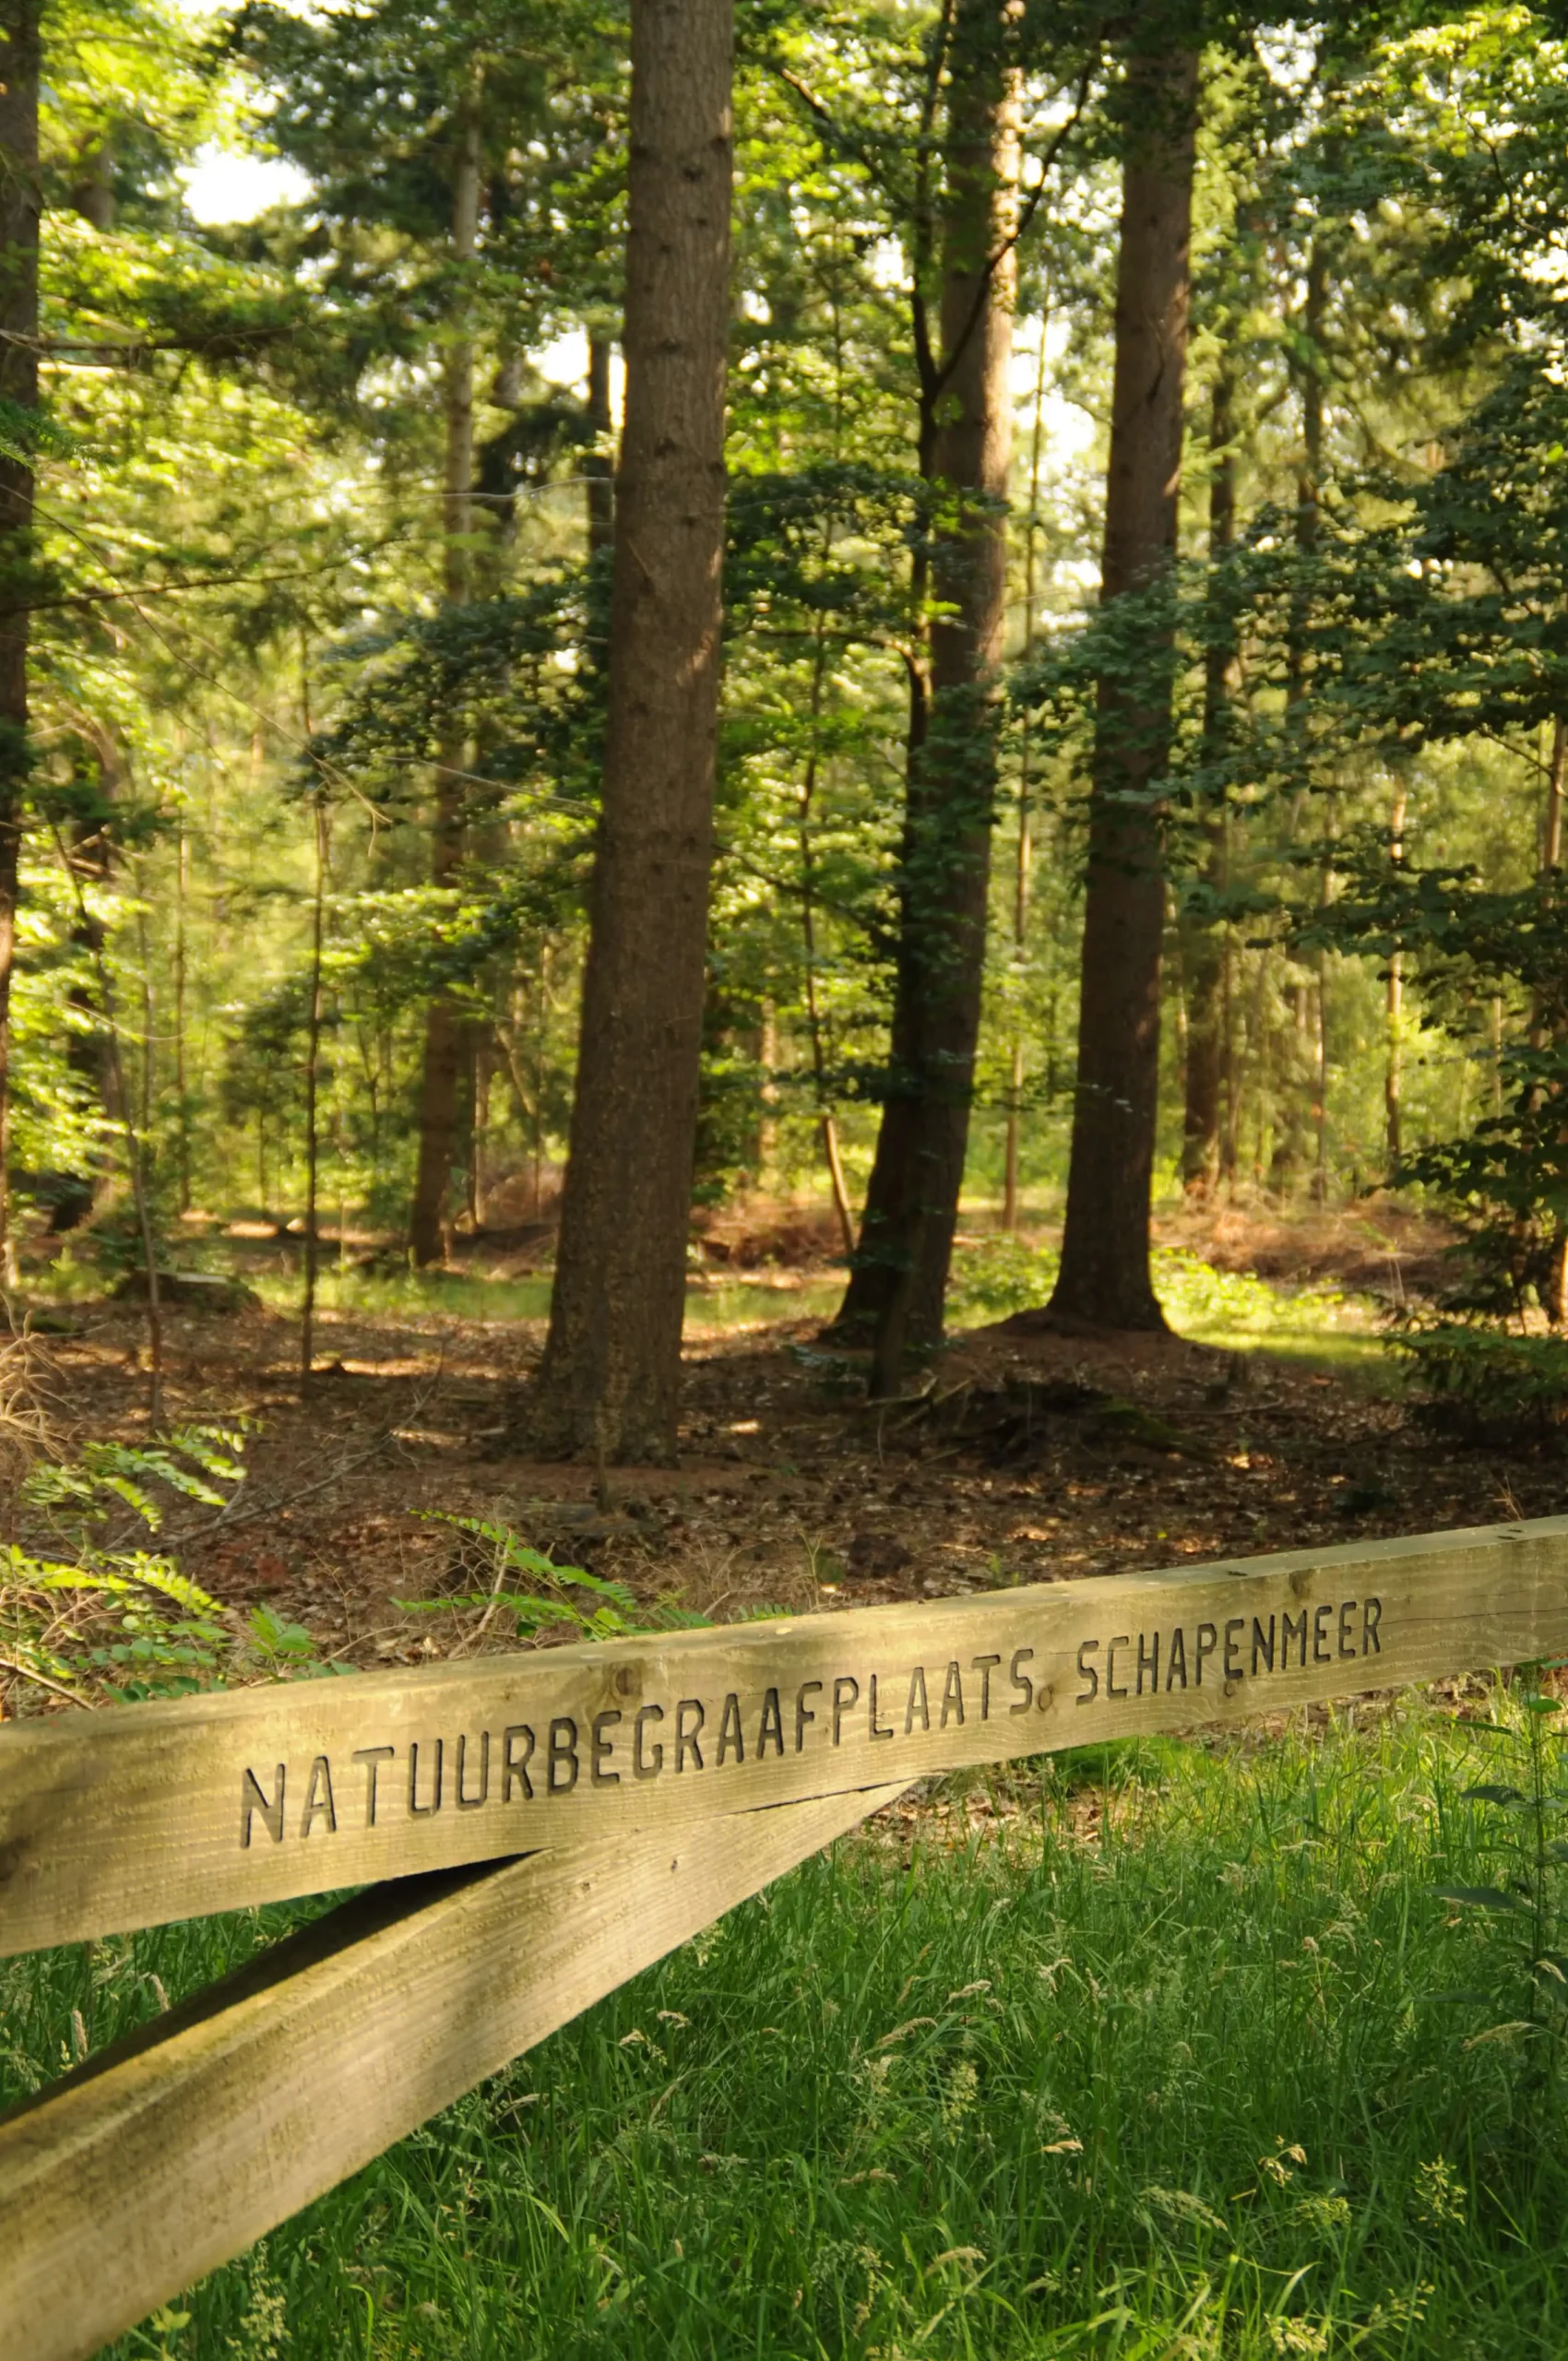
(1316,1326)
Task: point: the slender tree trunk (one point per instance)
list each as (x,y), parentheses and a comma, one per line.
(1305,1111)
(313,1082)
(1320,1011)
(1555,1296)
(1231,1073)
(1550,848)
(443,1025)
(1392,1088)
(598,468)
(913,1203)
(610,1383)
(19,207)
(181,1099)
(1023,860)
(1309,476)
(479,1165)
(1202,937)
(873,1263)
(1556,780)
(815,1029)
(1104,1278)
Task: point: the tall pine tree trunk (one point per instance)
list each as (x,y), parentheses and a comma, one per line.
(610,1383)
(912,1202)
(19,207)
(1203,942)
(442,1072)
(1104,1279)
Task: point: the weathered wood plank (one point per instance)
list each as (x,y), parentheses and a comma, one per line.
(160,1811)
(152,2164)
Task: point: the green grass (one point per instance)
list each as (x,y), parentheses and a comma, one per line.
(1319,1326)
(407,1294)
(1175,2079)
(460,1295)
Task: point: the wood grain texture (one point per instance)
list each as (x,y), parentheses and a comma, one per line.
(150,2166)
(167,1811)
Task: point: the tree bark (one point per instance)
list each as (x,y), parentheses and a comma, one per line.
(312,1081)
(1393,1084)
(443,1064)
(913,1203)
(815,1029)
(1104,1279)
(1203,941)
(610,1383)
(1554,1297)
(1302,1104)
(598,468)
(20,207)
(1023,850)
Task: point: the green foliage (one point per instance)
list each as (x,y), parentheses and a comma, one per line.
(110,1622)
(1506,1178)
(1006,1273)
(993,1277)
(1483,1383)
(539,1595)
(1525,1901)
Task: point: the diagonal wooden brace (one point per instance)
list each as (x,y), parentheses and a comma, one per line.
(175,2149)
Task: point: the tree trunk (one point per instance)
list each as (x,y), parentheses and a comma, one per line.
(609,1383)
(1393,1086)
(1555,1294)
(19,206)
(1320,1014)
(1104,1279)
(598,468)
(1203,940)
(913,1203)
(815,1028)
(1023,850)
(443,1025)
(1305,1081)
(313,1082)
(1556,777)
(182,1078)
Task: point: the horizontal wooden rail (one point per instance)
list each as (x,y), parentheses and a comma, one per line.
(168,1811)
(154,2163)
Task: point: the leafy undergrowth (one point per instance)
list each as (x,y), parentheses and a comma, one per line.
(1320,1324)
(1153,2058)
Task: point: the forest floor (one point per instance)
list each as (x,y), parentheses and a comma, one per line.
(1276,1421)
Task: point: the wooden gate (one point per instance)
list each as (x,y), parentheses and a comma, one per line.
(531,1830)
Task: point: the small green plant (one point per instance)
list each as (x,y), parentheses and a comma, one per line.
(1525,1897)
(88,1613)
(1484,1384)
(538,1596)
(993,1277)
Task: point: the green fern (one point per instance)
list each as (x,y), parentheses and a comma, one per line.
(539,1594)
(89,1622)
